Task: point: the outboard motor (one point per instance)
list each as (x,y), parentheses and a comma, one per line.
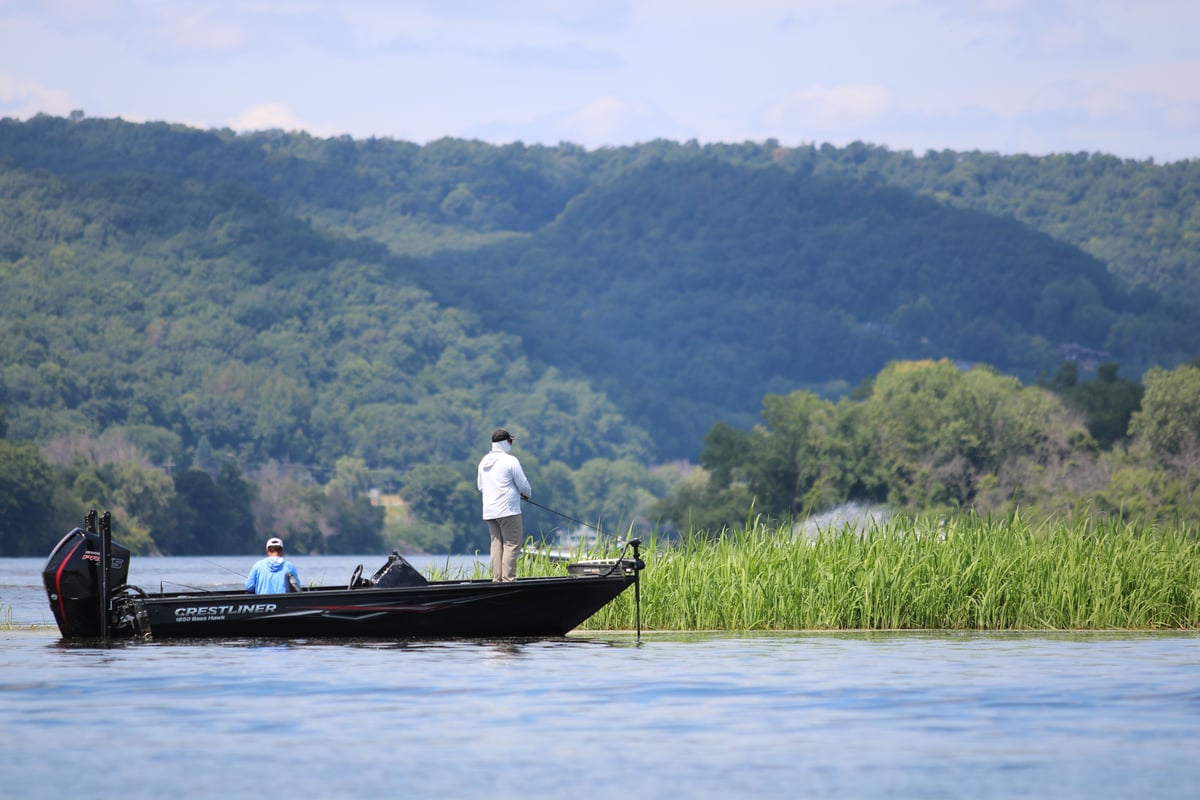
(76,584)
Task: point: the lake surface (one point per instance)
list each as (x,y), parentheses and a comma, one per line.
(804,715)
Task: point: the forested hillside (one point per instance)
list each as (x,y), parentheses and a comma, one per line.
(143,301)
(1138,217)
(201,326)
(689,289)
(359,314)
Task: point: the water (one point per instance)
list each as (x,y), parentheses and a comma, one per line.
(920,715)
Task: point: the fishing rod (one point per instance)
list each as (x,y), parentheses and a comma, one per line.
(196,589)
(222,566)
(564,516)
(200,589)
(619,562)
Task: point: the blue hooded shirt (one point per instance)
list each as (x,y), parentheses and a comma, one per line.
(269,576)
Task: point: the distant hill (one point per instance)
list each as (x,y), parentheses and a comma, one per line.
(159,306)
(288,296)
(1140,218)
(689,289)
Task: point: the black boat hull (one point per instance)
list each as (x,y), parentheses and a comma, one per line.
(377,608)
(526,607)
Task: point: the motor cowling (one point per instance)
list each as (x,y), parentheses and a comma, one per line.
(72,580)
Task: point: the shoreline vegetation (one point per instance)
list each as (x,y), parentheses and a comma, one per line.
(956,574)
(966,574)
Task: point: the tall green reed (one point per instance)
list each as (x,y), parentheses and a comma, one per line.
(963,573)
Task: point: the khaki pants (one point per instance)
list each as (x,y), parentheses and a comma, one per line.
(507,538)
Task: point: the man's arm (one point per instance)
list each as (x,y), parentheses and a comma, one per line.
(521,482)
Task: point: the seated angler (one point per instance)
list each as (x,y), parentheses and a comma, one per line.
(273,574)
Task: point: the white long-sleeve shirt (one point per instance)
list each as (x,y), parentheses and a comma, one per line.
(501,482)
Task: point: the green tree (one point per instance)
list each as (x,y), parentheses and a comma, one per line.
(439,494)
(1108,402)
(928,436)
(614,494)
(351,478)
(288,504)
(208,516)
(724,454)
(1169,418)
(35,508)
(446,504)
(698,506)
(944,433)
(350,525)
(788,459)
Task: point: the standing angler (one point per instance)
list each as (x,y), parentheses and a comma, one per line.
(503,485)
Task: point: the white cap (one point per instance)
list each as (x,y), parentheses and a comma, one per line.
(275,541)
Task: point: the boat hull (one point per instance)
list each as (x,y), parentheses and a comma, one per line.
(529,607)
(396,602)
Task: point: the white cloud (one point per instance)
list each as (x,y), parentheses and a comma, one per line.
(825,107)
(197,29)
(24,98)
(603,122)
(268,116)
(1069,75)
(613,120)
(606,118)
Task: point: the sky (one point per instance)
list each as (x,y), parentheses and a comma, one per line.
(1008,76)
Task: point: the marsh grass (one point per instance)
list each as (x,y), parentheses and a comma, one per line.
(450,572)
(960,574)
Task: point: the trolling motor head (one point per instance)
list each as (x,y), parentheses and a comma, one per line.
(637,559)
(611,566)
(76,584)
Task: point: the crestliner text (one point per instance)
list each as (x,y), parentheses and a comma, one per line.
(208,611)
